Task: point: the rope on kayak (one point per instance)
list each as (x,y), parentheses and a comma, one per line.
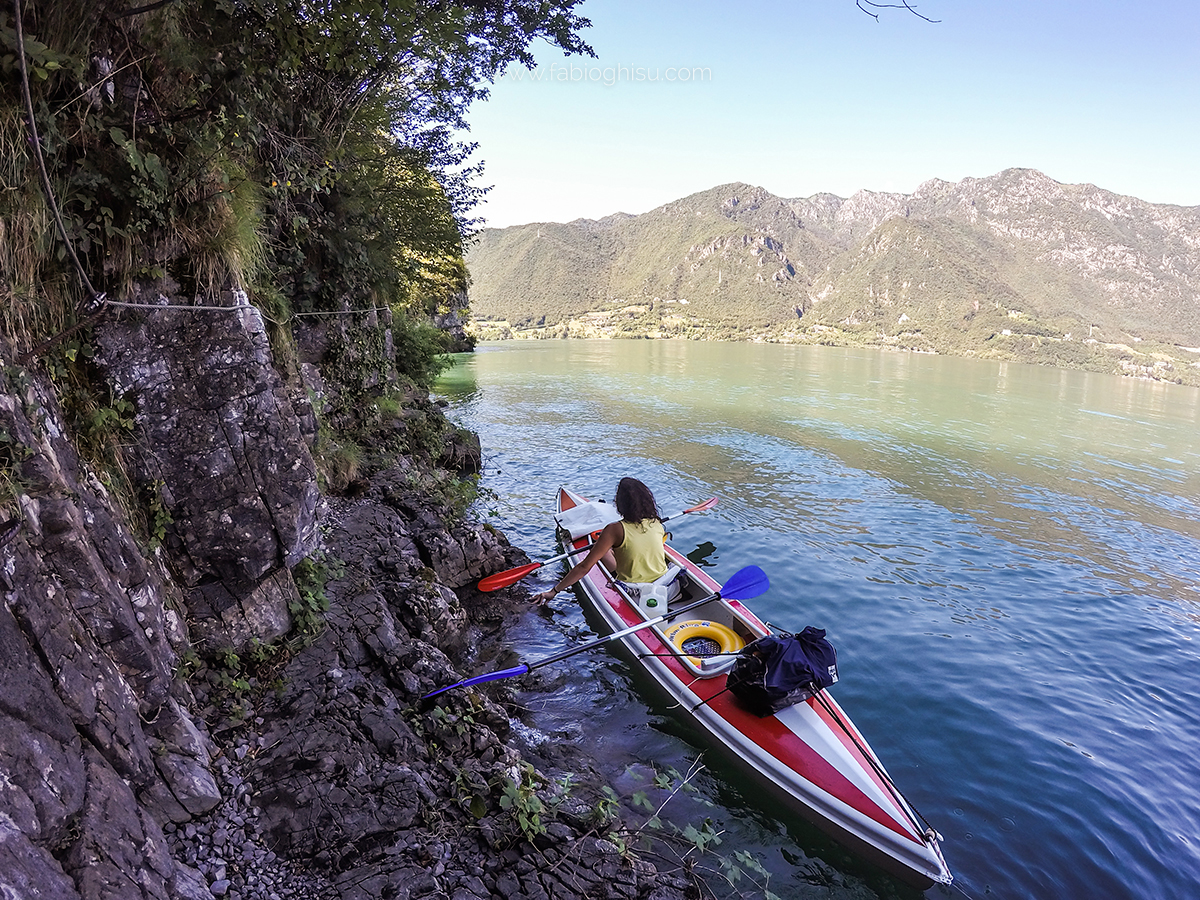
(927,831)
(712,698)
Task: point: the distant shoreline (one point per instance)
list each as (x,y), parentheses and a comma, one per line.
(1163,363)
(1015,266)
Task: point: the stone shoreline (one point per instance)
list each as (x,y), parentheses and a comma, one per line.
(156,743)
(226,847)
(343,768)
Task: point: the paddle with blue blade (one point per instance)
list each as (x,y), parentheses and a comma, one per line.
(742,585)
(512,576)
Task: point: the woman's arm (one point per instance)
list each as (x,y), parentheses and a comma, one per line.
(610,537)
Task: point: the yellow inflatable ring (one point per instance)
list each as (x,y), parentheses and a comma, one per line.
(712,638)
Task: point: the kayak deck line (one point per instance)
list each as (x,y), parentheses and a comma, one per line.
(810,756)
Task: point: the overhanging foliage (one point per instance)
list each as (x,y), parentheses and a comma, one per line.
(302,149)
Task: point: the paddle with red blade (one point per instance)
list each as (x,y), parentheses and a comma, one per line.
(742,585)
(512,576)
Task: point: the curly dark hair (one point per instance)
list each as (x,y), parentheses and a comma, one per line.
(635,502)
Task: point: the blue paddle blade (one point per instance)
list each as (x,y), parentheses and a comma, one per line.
(480,679)
(745,583)
(742,585)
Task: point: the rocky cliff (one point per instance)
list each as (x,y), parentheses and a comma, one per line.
(177,717)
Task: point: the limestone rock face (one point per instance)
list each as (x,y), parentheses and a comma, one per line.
(453,323)
(462,453)
(122,779)
(96,745)
(222,444)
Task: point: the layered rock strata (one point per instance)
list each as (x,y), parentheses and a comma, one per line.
(129,769)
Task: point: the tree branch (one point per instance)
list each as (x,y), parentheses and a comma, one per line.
(149,7)
(903,4)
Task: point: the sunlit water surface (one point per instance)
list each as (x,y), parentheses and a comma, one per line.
(1007,558)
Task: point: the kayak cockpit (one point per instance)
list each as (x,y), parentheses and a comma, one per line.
(708,641)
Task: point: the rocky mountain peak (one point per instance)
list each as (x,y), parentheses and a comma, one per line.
(1074,259)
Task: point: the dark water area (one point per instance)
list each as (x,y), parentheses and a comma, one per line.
(1007,558)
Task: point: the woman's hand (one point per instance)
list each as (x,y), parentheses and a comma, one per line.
(613,534)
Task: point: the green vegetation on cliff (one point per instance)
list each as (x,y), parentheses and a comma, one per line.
(300,151)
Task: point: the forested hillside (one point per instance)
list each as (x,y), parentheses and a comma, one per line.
(1015,266)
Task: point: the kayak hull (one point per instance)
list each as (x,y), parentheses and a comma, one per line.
(808,757)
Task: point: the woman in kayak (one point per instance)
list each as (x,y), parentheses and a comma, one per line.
(632,549)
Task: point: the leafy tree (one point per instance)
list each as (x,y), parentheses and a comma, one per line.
(304,148)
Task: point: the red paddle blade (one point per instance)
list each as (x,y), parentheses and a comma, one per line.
(507,577)
(701,507)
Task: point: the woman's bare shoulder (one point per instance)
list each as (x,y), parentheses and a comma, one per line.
(614,531)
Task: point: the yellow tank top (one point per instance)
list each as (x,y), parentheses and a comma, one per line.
(640,556)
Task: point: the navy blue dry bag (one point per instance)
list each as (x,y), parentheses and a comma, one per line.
(777,671)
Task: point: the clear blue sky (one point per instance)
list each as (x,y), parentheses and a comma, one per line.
(812,95)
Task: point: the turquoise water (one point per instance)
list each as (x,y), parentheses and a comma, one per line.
(1007,558)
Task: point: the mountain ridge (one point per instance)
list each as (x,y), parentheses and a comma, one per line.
(1014,266)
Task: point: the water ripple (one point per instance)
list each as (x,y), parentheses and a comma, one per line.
(1007,558)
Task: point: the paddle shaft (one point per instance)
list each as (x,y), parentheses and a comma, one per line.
(617,635)
(573,552)
(512,576)
(747,582)
(524,668)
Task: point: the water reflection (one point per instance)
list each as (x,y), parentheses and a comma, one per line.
(1007,557)
(704,554)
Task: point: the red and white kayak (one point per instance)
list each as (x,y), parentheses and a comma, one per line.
(808,756)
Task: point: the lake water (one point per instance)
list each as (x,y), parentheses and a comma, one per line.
(1007,558)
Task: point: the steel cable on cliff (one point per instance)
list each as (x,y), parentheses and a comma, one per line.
(234,308)
(35,140)
(95,297)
